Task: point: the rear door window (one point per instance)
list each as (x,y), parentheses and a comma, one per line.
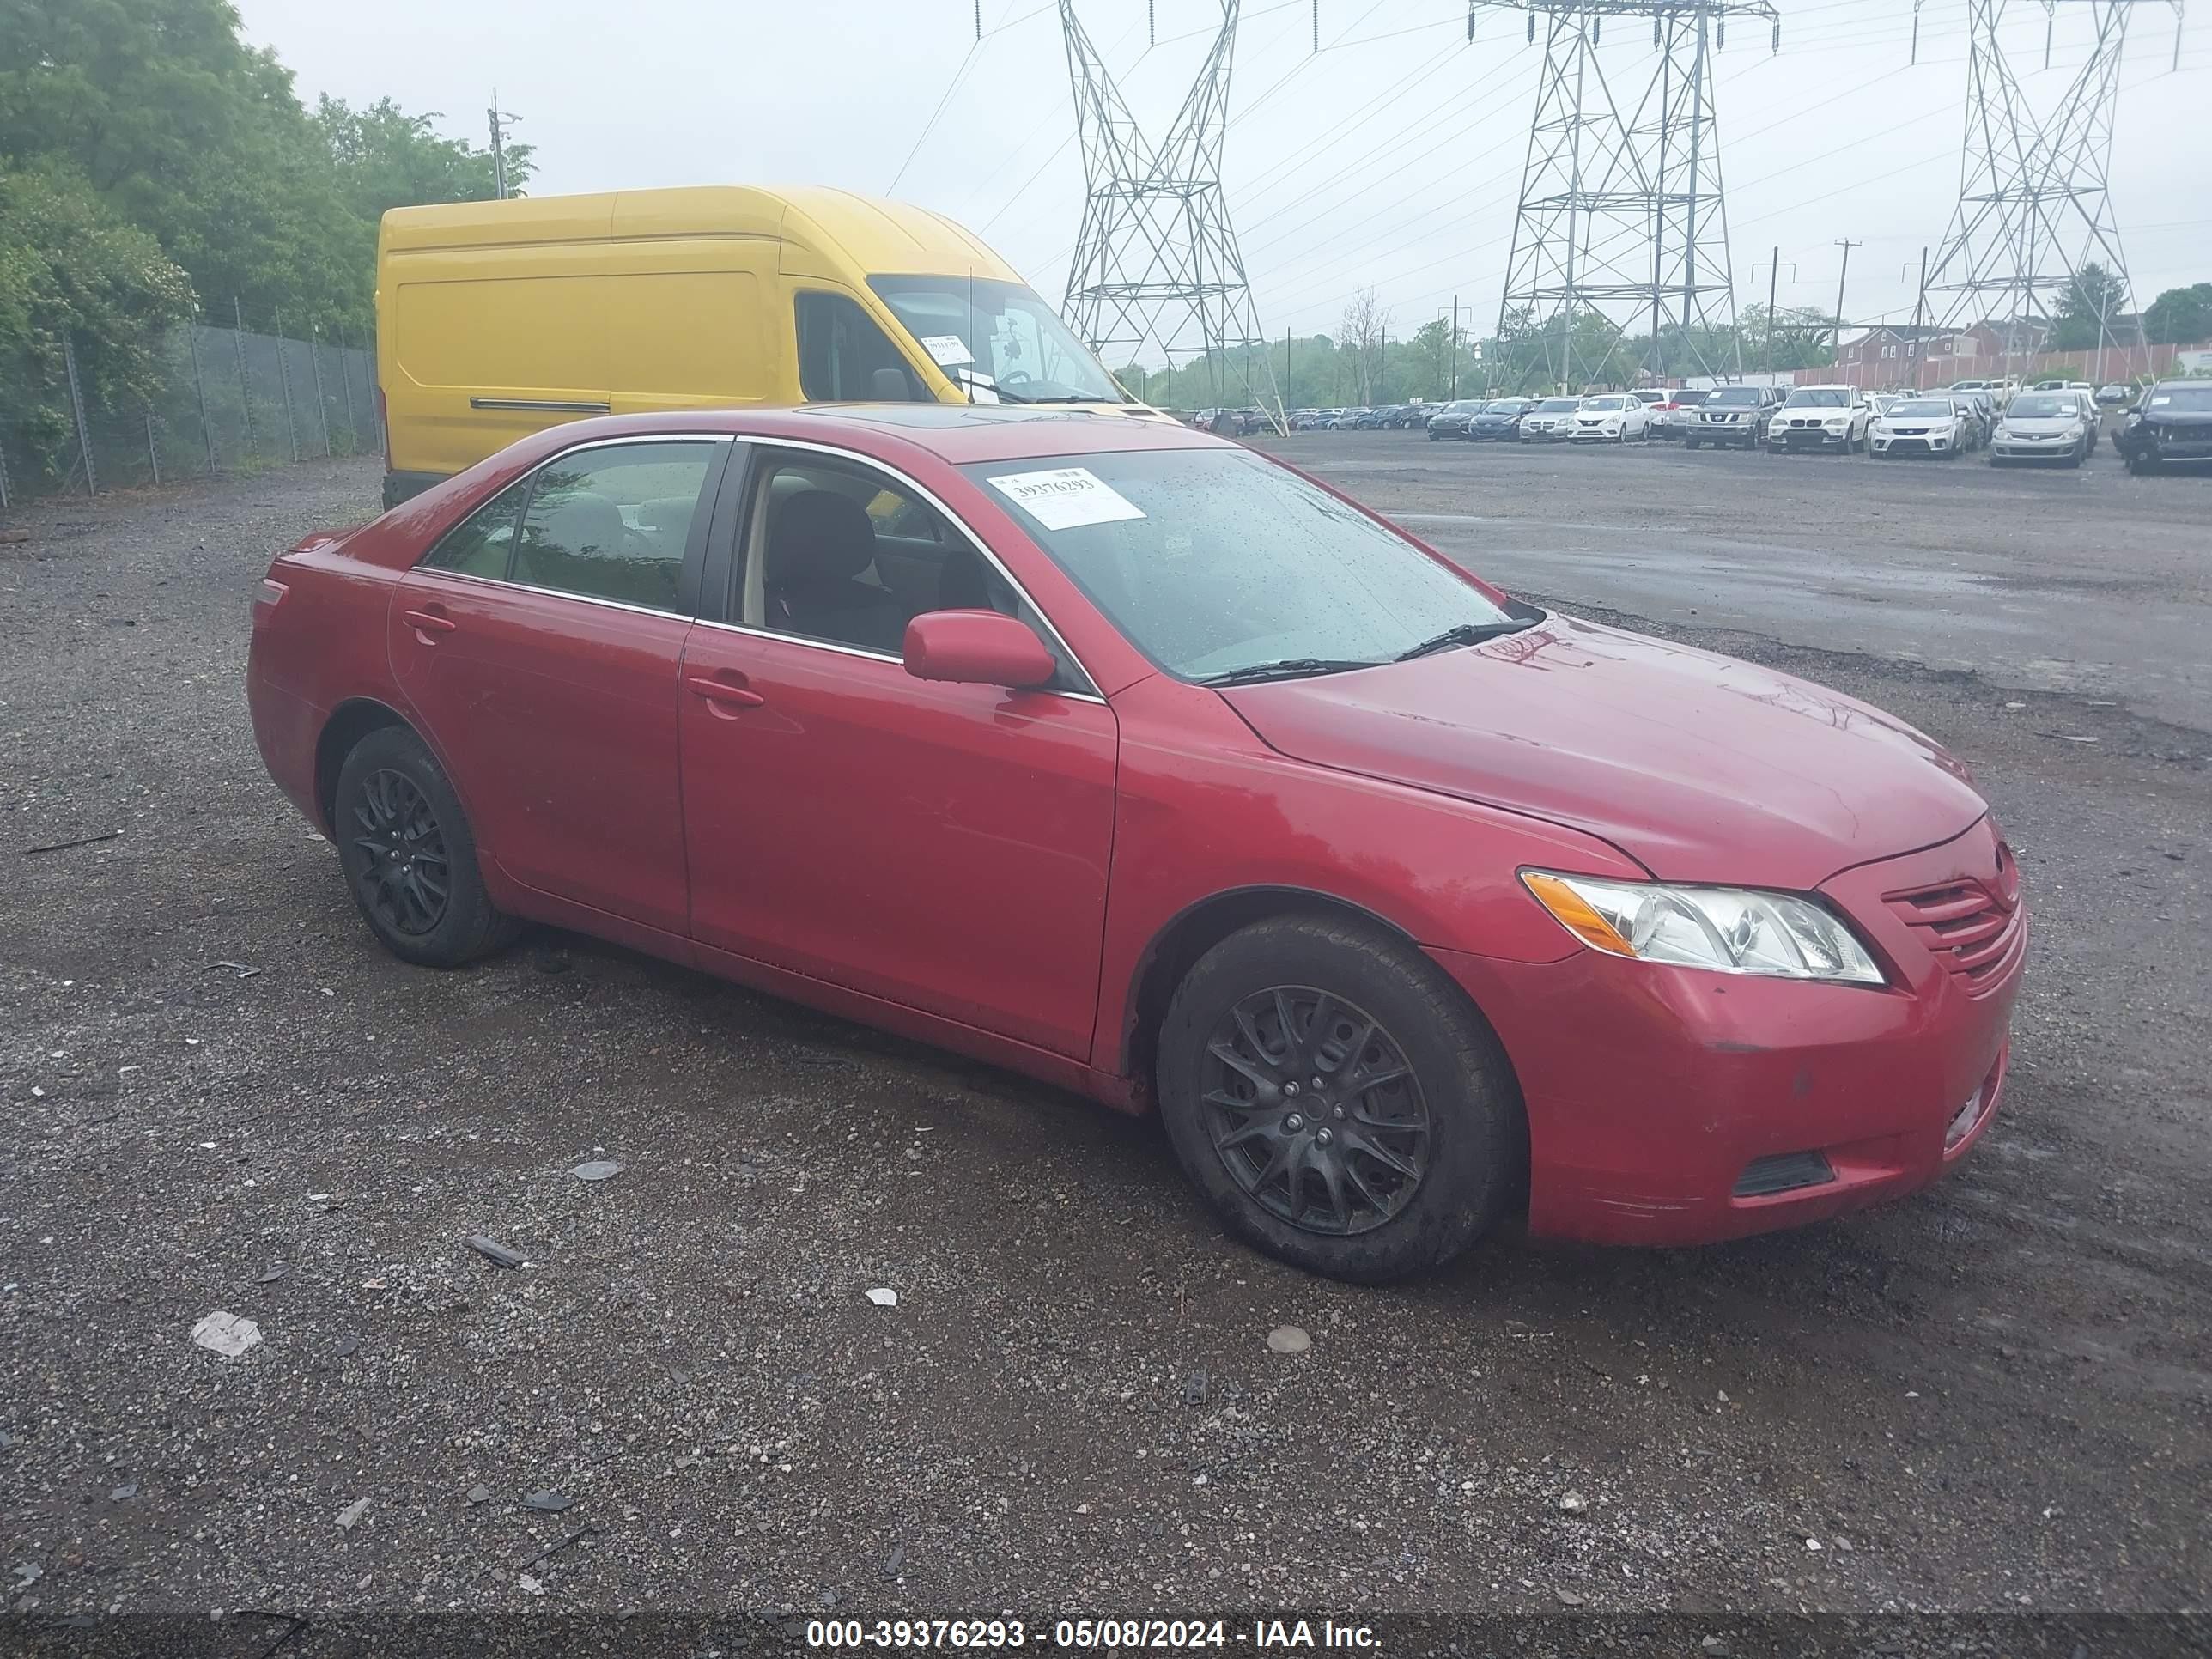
(614,522)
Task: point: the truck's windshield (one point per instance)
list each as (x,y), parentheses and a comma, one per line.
(998,333)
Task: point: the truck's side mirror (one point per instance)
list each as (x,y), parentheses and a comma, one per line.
(890,385)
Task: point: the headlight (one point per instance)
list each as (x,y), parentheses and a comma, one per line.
(1729,930)
(1839,420)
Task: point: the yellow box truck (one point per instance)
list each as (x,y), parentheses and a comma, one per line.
(497,319)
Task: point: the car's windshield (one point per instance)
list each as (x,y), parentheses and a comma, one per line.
(2183,399)
(1921,409)
(1601,405)
(1464,406)
(1505,406)
(1001,333)
(2041,406)
(1215,560)
(1819,396)
(1557,406)
(1734,394)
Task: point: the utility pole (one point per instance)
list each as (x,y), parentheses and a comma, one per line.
(500,123)
(1837,349)
(1919,306)
(1773,274)
(1455,333)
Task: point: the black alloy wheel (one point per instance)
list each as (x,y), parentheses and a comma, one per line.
(410,855)
(1337,1100)
(397,855)
(1314,1111)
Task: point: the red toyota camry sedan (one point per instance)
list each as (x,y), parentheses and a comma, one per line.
(1125,757)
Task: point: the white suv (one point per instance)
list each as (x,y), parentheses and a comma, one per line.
(1821,417)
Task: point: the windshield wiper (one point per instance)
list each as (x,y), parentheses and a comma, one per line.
(990,385)
(1464,634)
(1289,668)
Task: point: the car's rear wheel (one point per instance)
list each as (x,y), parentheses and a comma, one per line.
(410,856)
(1337,1101)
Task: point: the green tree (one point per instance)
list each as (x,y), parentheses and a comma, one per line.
(2091,304)
(69,267)
(2180,316)
(174,123)
(1796,336)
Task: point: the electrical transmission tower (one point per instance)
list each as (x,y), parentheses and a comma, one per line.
(2033,208)
(1621,218)
(1155,268)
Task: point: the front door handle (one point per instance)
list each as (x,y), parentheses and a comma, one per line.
(724,691)
(428,623)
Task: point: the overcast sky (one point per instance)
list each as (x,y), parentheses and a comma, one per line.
(1392,158)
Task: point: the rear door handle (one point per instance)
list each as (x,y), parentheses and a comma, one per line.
(426,623)
(716,690)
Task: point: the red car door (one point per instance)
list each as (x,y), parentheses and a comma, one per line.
(940,846)
(540,641)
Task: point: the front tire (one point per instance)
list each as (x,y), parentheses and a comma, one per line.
(1337,1101)
(409,855)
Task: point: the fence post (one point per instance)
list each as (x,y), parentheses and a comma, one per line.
(153,454)
(345,372)
(200,392)
(315,360)
(284,380)
(3,475)
(76,407)
(244,386)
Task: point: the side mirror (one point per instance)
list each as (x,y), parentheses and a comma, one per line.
(889,386)
(976,647)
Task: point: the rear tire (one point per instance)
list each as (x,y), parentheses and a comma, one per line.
(1364,1181)
(410,856)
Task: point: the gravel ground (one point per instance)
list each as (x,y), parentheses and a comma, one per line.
(1991,1397)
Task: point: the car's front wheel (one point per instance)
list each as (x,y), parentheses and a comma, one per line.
(1337,1101)
(410,856)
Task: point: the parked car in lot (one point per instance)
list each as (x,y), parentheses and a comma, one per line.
(1821,417)
(1341,419)
(2044,426)
(1415,418)
(934,717)
(2115,395)
(1981,411)
(1499,420)
(1735,416)
(1675,413)
(1612,417)
(1920,426)
(1552,421)
(1451,420)
(2173,423)
(1373,420)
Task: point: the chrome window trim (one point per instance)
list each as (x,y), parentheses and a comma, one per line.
(951,518)
(866,655)
(502,583)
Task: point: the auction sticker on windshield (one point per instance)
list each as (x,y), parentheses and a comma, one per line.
(949,351)
(1068,497)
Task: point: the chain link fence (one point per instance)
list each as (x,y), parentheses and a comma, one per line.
(230,400)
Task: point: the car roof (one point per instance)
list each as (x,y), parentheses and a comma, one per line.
(954,433)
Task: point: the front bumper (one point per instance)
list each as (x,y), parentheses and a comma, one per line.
(1801,437)
(1597,435)
(2034,449)
(1726,432)
(1931,444)
(1660,1100)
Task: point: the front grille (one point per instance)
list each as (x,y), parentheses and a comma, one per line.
(1784,1172)
(1965,928)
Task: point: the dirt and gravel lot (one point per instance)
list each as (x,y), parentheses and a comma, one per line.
(1991,1397)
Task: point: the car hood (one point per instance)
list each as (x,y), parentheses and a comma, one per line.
(2041,425)
(1701,767)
